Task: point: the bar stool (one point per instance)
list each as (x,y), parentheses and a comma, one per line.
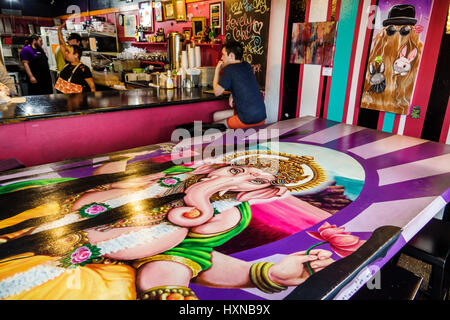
(432,246)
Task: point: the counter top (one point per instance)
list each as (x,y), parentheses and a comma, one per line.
(62,105)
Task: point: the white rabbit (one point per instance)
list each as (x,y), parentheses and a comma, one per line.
(403,65)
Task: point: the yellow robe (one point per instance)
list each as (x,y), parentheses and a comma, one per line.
(90,282)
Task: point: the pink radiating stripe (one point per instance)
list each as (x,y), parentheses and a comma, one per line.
(332,133)
(384,146)
(425,76)
(283,61)
(395,213)
(415,170)
(380,121)
(445,125)
(289,214)
(396,123)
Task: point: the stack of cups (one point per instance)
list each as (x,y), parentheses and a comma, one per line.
(184,60)
(191,58)
(198,57)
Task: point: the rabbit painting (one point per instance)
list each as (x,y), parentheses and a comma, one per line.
(377,79)
(403,64)
(399,46)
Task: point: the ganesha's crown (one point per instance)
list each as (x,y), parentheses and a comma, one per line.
(294,172)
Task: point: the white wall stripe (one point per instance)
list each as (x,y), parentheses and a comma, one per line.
(310,89)
(357,61)
(401,124)
(274,59)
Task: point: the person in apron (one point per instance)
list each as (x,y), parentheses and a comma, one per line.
(36,66)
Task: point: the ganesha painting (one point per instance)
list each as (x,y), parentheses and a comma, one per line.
(154,230)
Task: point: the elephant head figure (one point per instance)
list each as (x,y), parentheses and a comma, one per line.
(249,182)
(253,175)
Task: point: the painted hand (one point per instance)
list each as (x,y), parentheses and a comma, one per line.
(292,271)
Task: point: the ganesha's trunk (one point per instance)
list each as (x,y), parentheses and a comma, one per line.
(199,209)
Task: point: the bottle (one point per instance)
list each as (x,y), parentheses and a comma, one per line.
(169,82)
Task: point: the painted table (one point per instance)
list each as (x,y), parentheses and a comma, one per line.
(300,209)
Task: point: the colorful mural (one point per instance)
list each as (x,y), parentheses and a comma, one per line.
(257,223)
(161,229)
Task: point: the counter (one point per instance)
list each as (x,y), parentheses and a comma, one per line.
(57,127)
(62,105)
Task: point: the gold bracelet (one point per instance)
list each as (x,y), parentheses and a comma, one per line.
(259,276)
(194,266)
(169,293)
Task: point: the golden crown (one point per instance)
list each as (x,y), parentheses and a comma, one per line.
(296,173)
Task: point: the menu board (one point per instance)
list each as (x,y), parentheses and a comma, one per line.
(247,21)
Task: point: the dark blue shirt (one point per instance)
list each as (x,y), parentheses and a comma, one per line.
(239,79)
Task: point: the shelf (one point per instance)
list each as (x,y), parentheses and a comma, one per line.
(165,43)
(148,43)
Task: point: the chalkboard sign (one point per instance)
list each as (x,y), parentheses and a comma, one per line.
(247,21)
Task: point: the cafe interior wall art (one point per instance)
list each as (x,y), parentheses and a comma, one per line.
(313,43)
(395,54)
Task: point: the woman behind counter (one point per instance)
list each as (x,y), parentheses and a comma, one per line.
(74,71)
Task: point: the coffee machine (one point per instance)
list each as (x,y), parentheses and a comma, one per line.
(174,48)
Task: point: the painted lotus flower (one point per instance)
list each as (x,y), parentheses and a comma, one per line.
(341,242)
(81,256)
(93,209)
(169,182)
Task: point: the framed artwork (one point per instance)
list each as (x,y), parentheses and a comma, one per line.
(146,15)
(168,13)
(187,32)
(198,26)
(158,11)
(129,26)
(313,43)
(215,17)
(180,9)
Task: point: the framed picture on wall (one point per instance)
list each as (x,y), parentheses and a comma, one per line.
(146,15)
(198,27)
(180,9)
(158,11)
(215,17)
(169,13)
(187,32)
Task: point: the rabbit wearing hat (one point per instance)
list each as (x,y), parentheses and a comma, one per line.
(397,46)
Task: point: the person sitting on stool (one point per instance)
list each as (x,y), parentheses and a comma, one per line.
(239,79)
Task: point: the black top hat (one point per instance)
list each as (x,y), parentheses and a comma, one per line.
(400,15)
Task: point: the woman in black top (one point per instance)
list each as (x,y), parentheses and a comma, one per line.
(74,70)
